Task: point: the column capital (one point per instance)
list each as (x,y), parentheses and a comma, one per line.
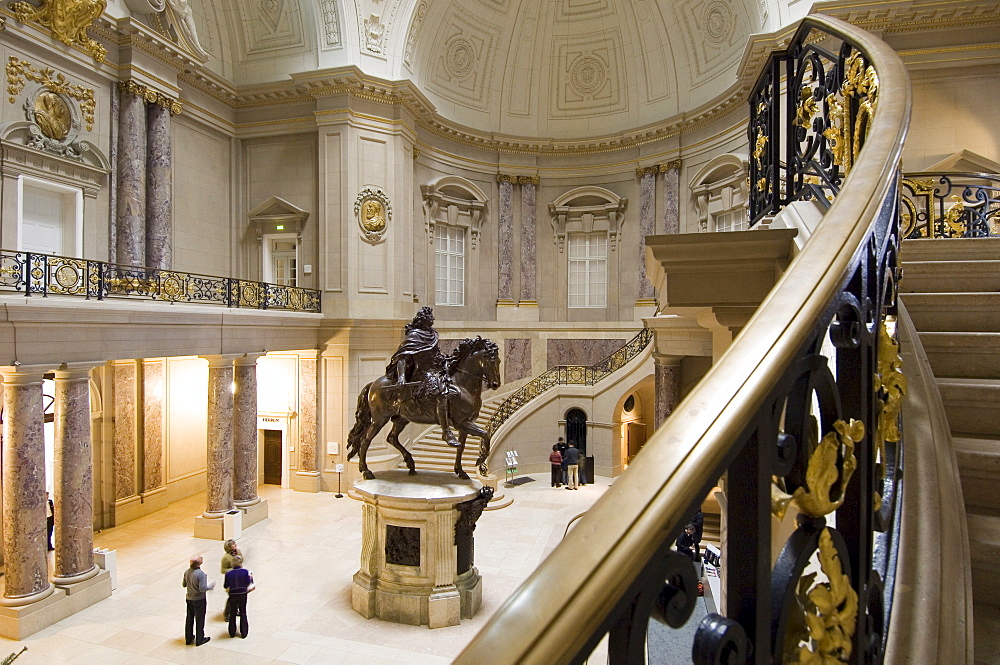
(528,180)
(248,358)
(647,170)
(506,177)
(71,371)
(672,165)
(667,360)
(19,374)
(221,359)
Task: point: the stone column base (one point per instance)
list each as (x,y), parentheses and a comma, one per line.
(17,623)
(434,607)
(470,588)
(254,513)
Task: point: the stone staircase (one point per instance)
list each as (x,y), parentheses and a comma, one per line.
(951,287)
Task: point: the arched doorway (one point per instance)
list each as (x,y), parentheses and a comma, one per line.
(576,429)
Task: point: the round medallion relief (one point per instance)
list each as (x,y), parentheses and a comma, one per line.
(52,115)
(460,58)
(587,74)
(718,22)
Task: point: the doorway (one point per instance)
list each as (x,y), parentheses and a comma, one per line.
(272,456)
(576,429)
(636,437)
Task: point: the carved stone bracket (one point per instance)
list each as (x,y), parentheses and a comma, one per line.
(587,210)
(455,201)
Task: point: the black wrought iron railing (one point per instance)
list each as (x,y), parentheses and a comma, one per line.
(569,375)
(950,205)
(44,274)
(800,415)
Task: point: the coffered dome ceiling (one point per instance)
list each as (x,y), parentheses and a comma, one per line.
(573,68)
(534,68)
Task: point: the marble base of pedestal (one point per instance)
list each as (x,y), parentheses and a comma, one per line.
(254,513)
(17,623)
(414,582)
(306,481)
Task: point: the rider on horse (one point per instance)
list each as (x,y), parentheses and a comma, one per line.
(419,360)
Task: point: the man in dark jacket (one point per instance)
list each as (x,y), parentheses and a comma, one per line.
(239,582)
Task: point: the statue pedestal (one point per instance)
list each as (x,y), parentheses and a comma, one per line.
(416,552)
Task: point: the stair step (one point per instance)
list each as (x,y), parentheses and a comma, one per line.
(972,406)
(979,467)
(960,312)
(950,276)
(963,354)
(956,249)
(984,549)
(986,619)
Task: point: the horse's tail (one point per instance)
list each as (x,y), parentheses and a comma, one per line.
(362,419)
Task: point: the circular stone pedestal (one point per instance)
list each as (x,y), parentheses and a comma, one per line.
(410,553)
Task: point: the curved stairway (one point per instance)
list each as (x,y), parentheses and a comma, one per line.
(951,288)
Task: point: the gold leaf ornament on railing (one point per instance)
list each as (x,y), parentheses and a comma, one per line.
(816,498)
(830,613)
(67,20)
(849,125)
(890,387)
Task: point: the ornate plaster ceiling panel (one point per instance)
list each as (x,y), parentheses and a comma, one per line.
(463,62)
(270,25)
(330,28)
(715,32)
(588,76)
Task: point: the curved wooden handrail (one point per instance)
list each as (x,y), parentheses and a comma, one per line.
(558,609)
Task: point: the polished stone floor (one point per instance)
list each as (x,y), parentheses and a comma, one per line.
(303,558)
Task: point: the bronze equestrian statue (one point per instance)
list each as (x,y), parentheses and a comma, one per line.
(423,386)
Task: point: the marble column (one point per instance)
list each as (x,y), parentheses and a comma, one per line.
(667,381)
(74,476)
(24,532)
(505,256)
(671,196)
(647,223)
(219,472)
(123,430)
(131,213)
(528,210)
(307,475)
(158,188)
(245,431)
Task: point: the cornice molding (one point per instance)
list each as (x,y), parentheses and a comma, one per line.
(910,16)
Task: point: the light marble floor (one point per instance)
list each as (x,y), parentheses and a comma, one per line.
(303,558)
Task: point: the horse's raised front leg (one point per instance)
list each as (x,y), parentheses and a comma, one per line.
(458,455)
(398,423)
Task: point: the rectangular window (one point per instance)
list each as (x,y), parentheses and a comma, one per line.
(734,219)
(50,219)
(449,264)
(588,270)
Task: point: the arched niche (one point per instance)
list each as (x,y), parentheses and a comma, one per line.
(587,210)
(720,193)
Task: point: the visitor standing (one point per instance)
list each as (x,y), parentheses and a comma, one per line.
(50,519)
(555,459)
(230,550)
(197,584)
(239,582)
(562,451)
(572,460)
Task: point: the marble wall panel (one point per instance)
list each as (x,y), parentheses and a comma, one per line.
(307,414)
(505,260)
(152,431)
(124,461)
(517,359)
(580,351)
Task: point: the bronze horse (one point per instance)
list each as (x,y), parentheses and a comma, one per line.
(474,362)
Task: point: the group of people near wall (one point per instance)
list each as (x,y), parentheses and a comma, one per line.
(567,469)
(238,582)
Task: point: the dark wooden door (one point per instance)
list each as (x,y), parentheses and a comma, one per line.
(636,433)
(272,456)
